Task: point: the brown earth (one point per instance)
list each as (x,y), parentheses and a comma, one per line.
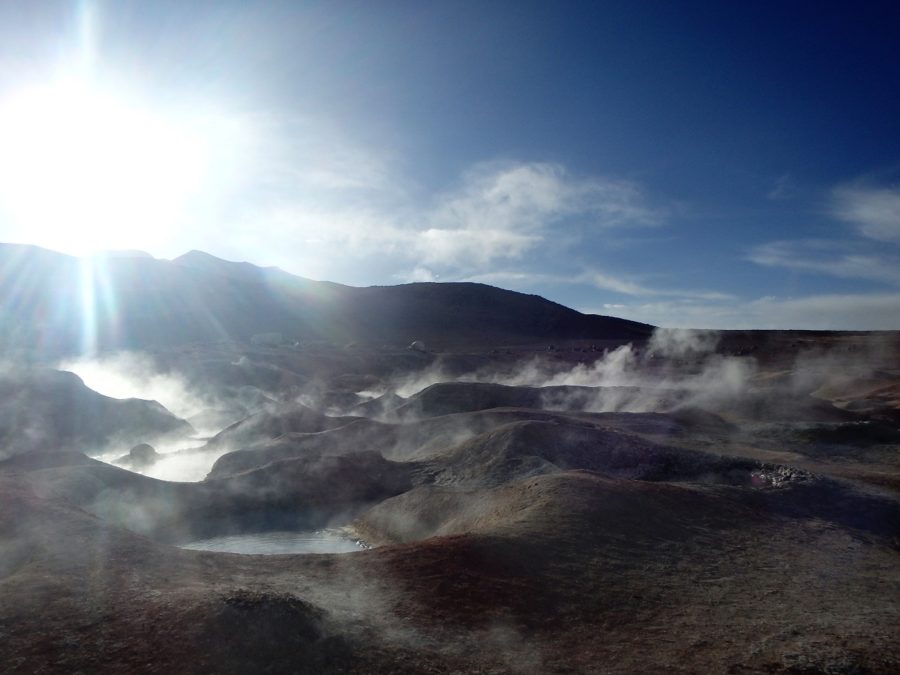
(761,534)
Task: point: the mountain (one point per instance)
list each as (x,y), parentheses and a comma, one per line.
(53,305)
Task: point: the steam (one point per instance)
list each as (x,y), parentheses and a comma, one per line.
(677,368)
(136,375)
(680,342)
(416,382)
(179,462)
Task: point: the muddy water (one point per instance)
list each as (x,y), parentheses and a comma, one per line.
(274,543)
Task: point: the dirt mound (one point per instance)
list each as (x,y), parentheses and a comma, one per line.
(46,460)
(412,441)
(852,433)
(525,448)
(446,398)
(347,438)
(321,483)
(43,409)
(300,493)
(290,632)
(776,406)
(274,422)
(378,407)
(881,403)
(553,506)
(139,457)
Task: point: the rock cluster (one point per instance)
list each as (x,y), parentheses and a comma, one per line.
(777,476)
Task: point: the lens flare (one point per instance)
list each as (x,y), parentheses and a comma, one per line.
(84,170)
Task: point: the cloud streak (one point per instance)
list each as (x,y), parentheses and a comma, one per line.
(874,211)
(847,311)
(498,212)
(623,285)
(829,258)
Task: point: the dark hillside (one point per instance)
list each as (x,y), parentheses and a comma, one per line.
(53,305)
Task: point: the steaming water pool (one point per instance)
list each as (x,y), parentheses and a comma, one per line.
(275,543)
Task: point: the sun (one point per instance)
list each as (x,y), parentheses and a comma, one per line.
(82,169)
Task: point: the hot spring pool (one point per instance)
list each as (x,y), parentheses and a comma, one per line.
(275,543)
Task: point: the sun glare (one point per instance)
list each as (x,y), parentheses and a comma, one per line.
(83,170)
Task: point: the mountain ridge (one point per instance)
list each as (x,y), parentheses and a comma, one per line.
(53,304)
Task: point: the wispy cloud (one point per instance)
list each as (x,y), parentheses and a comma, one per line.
(629,287)
(839,259)
(870,255)
(595,279)
(503,210)
(531,196)
(498,212)
(853,311)
(621,284)
(875,211)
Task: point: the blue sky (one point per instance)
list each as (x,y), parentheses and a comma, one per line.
(699,164)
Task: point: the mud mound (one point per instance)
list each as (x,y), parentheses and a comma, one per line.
(428,438)
(43,409)
(559,505)
(835,501)
(317,481)
(697,420)
(852,433)
(274,422)
(348,438)
(774,406)
(378,407)
(302,493)
(881,403)
(446,398)
(290,632)
(127,499)
(46,460)
(589,508)
(524,448)
(412,441)
(139,457)
(38,536)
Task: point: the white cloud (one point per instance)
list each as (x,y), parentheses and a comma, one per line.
(852,311)
(511,278)
(503,210)
(845,260)
(418,274)
(304,194)
(470,248)
(611,283)
(874,211)
(591,278)
(596,279)
(531,196)
(499,212)
(628,287)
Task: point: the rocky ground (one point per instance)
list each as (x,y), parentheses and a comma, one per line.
(531,511)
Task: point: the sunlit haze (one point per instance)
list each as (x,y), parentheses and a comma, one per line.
(449,336)
(731,166)
(84,171)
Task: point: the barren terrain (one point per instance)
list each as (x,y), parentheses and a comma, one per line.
(675,501)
